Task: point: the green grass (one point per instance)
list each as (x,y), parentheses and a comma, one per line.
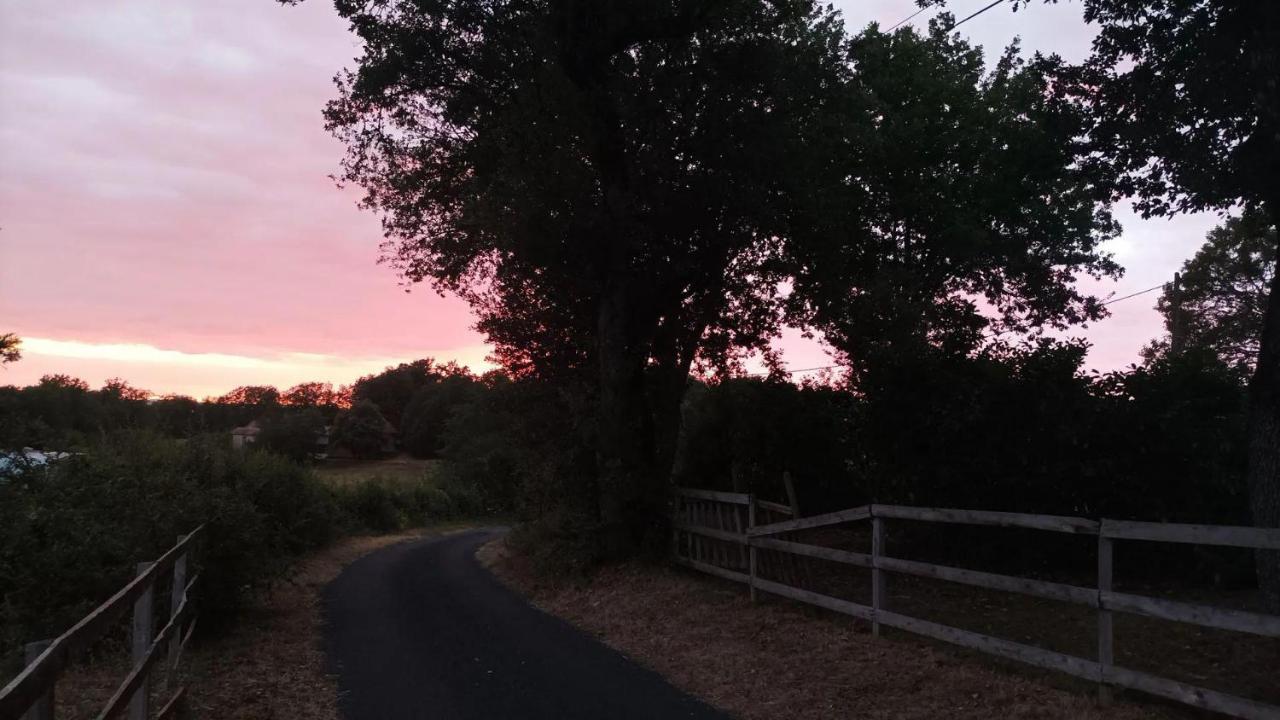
(399,470)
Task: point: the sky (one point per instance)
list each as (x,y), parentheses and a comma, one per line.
(167,213)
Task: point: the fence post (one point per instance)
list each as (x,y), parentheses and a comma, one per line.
(176,595)
(878,595)
(42,709)
(791,494)
(751,546)
(142,609)
(1105,649)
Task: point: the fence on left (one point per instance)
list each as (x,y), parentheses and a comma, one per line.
(30,695)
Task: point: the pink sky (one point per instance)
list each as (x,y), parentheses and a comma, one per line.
(166,213)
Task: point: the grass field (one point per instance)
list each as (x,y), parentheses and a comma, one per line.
(399,469)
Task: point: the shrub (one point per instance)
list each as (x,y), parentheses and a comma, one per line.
(71,533)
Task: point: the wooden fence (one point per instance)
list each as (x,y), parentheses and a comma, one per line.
(31,694)
(755,538)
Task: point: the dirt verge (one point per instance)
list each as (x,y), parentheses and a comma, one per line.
(781,660)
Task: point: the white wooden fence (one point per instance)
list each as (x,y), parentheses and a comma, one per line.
(31,694)
(703,540)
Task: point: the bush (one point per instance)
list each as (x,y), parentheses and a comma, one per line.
(71,533)
(387,504)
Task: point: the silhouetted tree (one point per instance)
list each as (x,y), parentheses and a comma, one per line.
(393,388)
(262,396)
(965,196)
(1185,104)
(10,348)
(363,430)
(1220,302)
(606,183)
(292,433)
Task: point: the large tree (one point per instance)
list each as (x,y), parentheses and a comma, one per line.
(1219,300)
(967,210)
(605,181)
(1185,101)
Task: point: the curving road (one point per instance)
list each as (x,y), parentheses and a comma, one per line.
(421,631)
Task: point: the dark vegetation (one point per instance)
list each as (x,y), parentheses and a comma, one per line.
(630,191)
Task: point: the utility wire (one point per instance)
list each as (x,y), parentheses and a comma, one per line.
(907,19)
(958,24)
(832,367)
(913,15)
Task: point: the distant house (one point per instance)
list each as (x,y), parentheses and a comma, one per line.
(243,437)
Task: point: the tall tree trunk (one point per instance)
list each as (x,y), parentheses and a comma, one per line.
(1264,436)
(630,493)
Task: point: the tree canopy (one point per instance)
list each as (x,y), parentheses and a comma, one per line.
(1220,301)
(624,190)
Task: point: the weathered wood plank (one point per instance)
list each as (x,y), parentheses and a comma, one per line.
(1053,523)
(879,588)
(1106,640)
(1192,695)
(1206,615)
(774,507)
(715,570)
(724,535)
(1039,657)
(714,495)
(861,612)
(43,708)
(136,678)
(1233,536)
(32,682)
(813,521)
(993,581)
(751,551)
(814,551)
(173,708)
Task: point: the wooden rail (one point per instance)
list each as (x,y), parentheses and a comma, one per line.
(30,694)
(1102,599)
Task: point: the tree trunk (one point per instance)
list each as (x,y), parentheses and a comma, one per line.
(630,495)
(1264,437)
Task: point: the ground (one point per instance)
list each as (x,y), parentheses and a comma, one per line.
(399,468)
(269,665)
(781,660)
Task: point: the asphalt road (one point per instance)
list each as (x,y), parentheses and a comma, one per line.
(421,631)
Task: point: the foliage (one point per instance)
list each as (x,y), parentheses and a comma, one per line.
(1221,301)
(621,190)
(429,412)
(10,348)
(260,396)
(292,434)
(935,219)
(320,396)
(362,430)
(392,389)
(71,533)
(1185,113)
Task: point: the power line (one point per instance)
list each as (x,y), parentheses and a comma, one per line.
(907,19)
(958,24)
(1133,295)
(913,15)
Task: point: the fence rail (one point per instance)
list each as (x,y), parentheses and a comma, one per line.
(30,695)
(1102,670)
